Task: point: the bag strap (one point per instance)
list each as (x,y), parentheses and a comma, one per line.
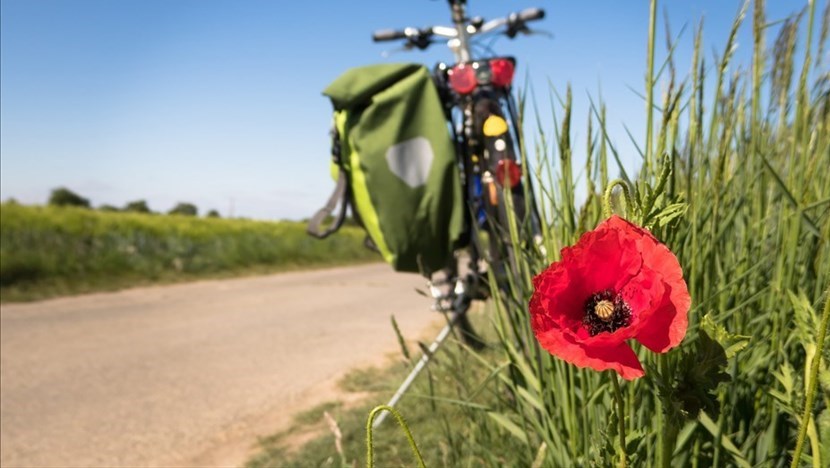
(340,194)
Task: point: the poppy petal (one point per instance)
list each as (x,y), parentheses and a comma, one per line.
(607,258)
(643,294)
(667,325)
(561,294)
(619,357)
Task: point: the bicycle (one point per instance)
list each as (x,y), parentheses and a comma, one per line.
(481,110)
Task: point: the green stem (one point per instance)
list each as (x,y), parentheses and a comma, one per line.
(606,199)
(370,449)
(650,82)
(665,173)
(668,438)
(811,392)
(621,417)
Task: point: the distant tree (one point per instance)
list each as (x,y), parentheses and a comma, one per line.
(138,206)
(213,214)
(109,208)
(12,201)
(184,209)
(62,196)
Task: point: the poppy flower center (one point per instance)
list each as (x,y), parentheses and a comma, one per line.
(606,311)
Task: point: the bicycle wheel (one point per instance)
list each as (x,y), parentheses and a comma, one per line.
(502,182)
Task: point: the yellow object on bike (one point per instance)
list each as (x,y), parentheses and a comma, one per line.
(494,194)
(494,126)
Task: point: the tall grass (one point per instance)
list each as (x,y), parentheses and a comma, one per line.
(735,179)
(746,208)
(56,250)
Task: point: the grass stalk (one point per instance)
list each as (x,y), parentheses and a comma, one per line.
(652,19)
(618,398)
(813,382)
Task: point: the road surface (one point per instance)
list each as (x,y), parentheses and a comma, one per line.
(189,374)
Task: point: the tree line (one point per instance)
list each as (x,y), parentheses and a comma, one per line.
(62,196)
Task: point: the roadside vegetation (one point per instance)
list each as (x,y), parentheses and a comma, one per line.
(735,181)
(333,433)
(56,250)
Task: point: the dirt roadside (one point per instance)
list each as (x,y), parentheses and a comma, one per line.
(190,374)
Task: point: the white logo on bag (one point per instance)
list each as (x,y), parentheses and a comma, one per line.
(411,160)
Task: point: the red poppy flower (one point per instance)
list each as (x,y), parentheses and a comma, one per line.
(617,283)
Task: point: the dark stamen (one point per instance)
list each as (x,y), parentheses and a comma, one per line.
(596,318)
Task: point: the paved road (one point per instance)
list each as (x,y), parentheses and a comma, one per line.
(189,374)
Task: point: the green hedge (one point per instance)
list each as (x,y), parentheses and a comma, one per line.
(51,245)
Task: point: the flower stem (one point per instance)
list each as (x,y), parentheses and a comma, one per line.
(370,449)
(606,199)
(668,436)
(621,418)
(811,392)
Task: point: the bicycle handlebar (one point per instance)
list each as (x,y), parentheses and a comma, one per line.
(531,14)
(388,35)
(514,22)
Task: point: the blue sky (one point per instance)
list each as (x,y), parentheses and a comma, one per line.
(218,102)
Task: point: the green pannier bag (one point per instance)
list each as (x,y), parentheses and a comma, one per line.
(395,166)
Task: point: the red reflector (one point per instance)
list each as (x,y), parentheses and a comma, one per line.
(502,70)
(462,78)
(508,168)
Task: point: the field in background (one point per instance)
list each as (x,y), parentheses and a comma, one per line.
(50,251)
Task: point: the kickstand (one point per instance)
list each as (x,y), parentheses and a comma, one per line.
(445,332)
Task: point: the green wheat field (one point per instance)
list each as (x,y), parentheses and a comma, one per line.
(48,251)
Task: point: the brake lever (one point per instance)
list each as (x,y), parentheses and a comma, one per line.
(421,42)
(404,48)
(513,32)
(539,32)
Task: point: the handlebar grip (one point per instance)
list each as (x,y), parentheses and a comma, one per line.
(531,14)
(388,35)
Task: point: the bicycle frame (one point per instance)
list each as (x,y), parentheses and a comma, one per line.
(466,113)
(460,33)
(467,108)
